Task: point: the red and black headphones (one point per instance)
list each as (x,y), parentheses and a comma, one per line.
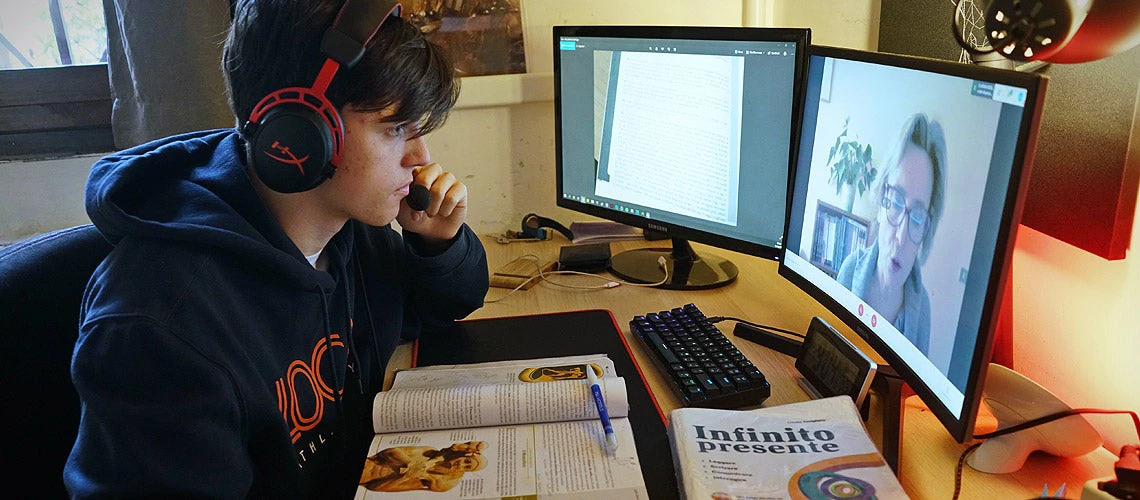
(295,134)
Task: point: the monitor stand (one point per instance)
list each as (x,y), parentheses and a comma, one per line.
(687,270)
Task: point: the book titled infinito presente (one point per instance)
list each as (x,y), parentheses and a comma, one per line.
(809,450)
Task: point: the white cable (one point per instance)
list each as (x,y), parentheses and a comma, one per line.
(610,283)
(524,283)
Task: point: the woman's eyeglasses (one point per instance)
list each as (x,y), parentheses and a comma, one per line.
(918,219)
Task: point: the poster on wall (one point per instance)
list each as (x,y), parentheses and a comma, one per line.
(484,37)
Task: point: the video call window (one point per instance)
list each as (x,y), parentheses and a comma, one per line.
(898,171)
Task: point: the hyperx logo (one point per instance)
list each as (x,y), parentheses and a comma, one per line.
(291,160)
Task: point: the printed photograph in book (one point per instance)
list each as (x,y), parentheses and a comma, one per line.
(413,468)
(817,449)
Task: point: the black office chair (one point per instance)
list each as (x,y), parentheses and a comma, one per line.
(41,285)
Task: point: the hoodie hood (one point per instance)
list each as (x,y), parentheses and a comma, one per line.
(194,188)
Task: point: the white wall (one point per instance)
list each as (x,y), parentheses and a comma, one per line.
(38,196)
(842,23)
(1075,327)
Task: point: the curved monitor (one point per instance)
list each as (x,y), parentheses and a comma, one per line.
(907,191)
(685,131)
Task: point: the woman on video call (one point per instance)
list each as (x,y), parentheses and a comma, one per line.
(911,196)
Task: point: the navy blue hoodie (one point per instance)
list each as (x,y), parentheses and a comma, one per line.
(213,360)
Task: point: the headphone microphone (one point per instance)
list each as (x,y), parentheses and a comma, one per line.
(418,198)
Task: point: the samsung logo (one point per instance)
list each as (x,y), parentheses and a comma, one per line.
(655,227)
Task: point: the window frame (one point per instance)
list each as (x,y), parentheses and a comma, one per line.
(55,111)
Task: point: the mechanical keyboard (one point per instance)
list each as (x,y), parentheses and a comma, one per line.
(704,367)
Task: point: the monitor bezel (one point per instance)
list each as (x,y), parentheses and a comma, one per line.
(800,36)
(959,427)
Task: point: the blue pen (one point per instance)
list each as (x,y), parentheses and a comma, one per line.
(611,439)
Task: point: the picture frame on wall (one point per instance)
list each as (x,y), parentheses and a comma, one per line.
(483,37)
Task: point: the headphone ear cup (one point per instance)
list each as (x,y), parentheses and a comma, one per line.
(292,149)
(532,224)
(531,229)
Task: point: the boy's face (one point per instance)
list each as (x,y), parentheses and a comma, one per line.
(375,170)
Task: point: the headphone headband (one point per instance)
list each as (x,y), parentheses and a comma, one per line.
(531,224)
(354,26)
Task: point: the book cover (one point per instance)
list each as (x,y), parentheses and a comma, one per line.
(524,429)
(603,231)
(816,449)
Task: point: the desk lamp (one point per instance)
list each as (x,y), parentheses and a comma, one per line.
(1054,31)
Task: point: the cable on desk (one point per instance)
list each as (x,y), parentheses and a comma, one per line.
(718,319)
(958,469)
(1026,425)
(524,283)
(610,283)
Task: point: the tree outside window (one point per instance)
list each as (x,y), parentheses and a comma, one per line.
(43,33)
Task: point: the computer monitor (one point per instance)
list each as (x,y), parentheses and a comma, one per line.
(683,131)
(906,195)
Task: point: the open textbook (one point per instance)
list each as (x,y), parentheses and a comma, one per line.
(809,450)
(523,429)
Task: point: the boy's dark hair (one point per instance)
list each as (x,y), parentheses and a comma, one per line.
(274,44)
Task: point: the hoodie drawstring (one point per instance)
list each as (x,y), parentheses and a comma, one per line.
(368,314)
(338,385)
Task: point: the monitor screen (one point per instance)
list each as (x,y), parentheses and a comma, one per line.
(906,194)
(686,131)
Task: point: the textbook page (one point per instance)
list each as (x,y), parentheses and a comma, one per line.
(531,391)
(496,372)
(561,460)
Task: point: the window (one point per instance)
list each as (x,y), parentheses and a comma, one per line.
(55,96)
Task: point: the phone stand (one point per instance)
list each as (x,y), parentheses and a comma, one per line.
(1013,399)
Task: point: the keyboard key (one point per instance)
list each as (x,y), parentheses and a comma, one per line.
(659,347)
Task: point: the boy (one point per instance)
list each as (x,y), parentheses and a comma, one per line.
(231,343)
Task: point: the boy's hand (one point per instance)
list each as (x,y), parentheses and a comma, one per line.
(445,214)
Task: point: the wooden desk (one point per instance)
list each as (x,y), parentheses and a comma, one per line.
(760,295)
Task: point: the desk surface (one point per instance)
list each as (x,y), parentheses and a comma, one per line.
(760,295)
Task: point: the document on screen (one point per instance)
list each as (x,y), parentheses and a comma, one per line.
(671,139)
